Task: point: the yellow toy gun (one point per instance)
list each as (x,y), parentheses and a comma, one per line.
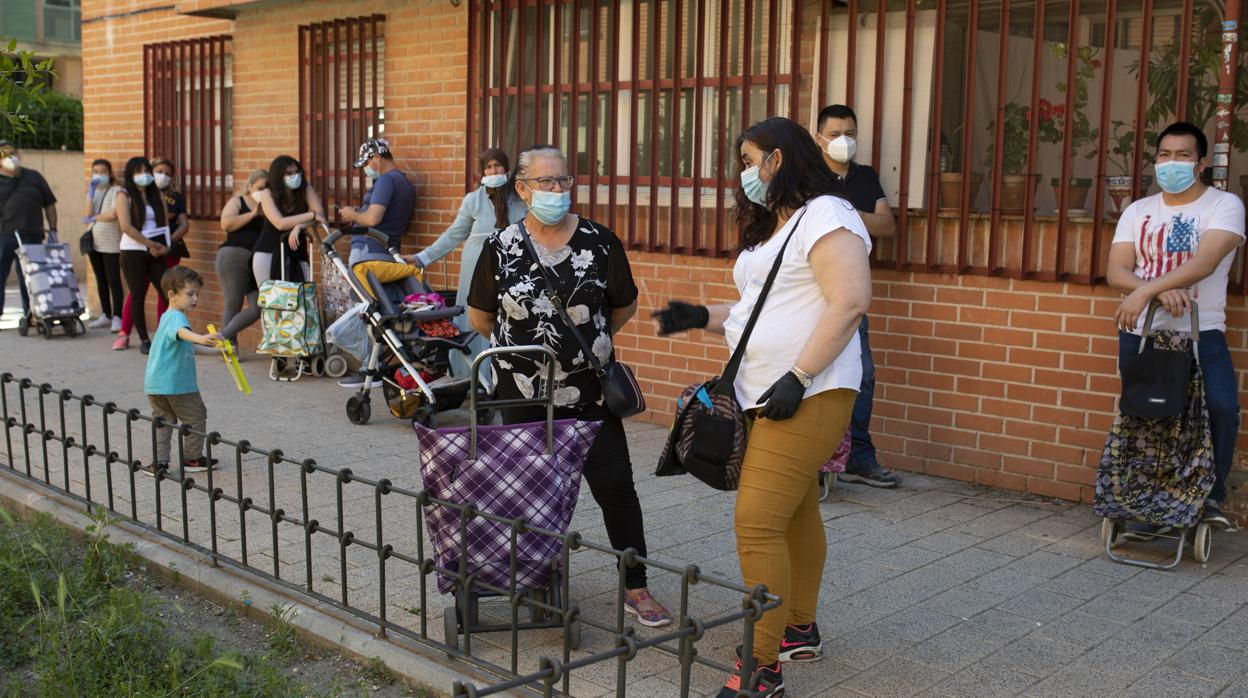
(231,362)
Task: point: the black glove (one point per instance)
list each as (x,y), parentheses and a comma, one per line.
(681,316)
(782,398)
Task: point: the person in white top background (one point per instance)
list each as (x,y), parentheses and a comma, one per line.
(799,377)
(1178,246)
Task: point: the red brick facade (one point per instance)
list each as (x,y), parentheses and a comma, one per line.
(995,381)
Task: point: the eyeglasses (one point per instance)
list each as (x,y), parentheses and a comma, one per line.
(564,183)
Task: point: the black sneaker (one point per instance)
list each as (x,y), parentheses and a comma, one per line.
(1144,532)
(872,474)
(769,682)
(801,643)
(144,347)
(1213,516)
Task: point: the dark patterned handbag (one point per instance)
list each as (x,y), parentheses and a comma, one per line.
(708,437)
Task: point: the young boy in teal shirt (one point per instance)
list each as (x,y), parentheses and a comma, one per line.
(170,382)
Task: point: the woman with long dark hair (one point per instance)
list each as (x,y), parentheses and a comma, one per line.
(798,378)
(289,204)
(489,207)
(105,252)
(179,223)
(141,215)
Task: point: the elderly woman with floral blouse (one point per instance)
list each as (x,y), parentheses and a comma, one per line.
(510,302)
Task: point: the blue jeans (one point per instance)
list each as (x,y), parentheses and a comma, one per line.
(862,452)
(1221,395)
(8,259)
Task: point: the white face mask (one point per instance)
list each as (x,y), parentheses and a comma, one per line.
(11,162)
(255,195)
(841,149)
(493,181)
(162,179)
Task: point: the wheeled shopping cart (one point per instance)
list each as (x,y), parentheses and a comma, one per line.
(1159,470)
(529,472)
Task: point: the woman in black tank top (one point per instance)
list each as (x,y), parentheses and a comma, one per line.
(289,205)
(243,222)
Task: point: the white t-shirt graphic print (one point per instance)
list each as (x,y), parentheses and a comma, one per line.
(793,307)
(1165,237)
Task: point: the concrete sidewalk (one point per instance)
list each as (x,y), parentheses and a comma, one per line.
(937,588)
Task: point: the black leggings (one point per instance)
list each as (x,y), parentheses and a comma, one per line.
(140,268)
(107,268)
(609,472)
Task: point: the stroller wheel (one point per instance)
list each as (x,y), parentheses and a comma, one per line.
(71,328)
(82,326)
(45,328)
(336,366)
(23,326)
(1202,544)
(426,417)
(358,409)
(316,366)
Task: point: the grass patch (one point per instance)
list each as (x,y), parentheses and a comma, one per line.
(77,620)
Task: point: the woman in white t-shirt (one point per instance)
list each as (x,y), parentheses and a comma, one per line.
(799,376)
(144,223)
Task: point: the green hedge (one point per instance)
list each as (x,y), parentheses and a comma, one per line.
(58,126)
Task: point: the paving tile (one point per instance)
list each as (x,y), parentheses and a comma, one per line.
(915,624)
(1167,683)
(1080,584)
(946,542)
(864,648)
(1081,629)
(1040,604)
(1214,662)
(976,561)
(953,649)
(1119,607)
(1034,656)
(1201,610)
(962,601)
(895,679)
(982,682)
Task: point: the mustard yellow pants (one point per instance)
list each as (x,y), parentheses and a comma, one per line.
(385,271)
(780,539)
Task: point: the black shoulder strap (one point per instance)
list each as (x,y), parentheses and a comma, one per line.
(724,385)
(554,296)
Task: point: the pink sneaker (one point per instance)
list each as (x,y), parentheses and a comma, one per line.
(123,342)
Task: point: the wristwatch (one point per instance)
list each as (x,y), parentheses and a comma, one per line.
(803,377)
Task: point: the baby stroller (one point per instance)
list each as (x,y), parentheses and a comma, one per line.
(292,326)
(523,471)
(48,272)
(413,366)
(1157,466)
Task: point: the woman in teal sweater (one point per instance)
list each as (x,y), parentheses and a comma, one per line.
(491,206)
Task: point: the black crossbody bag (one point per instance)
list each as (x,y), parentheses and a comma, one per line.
(621,393)
(1154,381)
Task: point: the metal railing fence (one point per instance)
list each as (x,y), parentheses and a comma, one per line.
(260,524)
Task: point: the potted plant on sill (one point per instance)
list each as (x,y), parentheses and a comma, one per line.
(1052,124)
(1122,147)
(950,192)
(1013,156)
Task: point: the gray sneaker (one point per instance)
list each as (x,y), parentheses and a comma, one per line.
(872,474)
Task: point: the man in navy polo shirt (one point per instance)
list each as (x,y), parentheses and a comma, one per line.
(387,206)
(836,135)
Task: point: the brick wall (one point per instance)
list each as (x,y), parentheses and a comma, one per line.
(1001,382)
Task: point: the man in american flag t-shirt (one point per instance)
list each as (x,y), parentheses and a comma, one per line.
(1178,246)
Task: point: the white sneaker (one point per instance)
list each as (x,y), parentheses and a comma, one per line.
(101,322)
(116,327)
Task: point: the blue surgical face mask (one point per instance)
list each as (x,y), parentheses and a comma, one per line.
(293,181)
(493,181)
(754,187)
(143,179)
(98,179)
(368,172)
(550,207)
(1175,176)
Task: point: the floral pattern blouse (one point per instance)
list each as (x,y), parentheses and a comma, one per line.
(592,276)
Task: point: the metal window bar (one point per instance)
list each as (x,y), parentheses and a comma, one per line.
(186,119)
(340,93)
(275,534)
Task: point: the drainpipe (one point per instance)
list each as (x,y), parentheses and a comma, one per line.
(1224,115)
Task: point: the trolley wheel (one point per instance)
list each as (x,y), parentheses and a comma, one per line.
(450,626)
(536,614)
(45,328)
(1202,544)
(426,417)
(316,366)
(485,416)
(574,636)
(23,326)
(71,328)
(1111,529)
(336,366)
(358,409)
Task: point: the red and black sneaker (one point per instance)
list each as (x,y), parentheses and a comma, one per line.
(801,643)
(768,682)
(199,465)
